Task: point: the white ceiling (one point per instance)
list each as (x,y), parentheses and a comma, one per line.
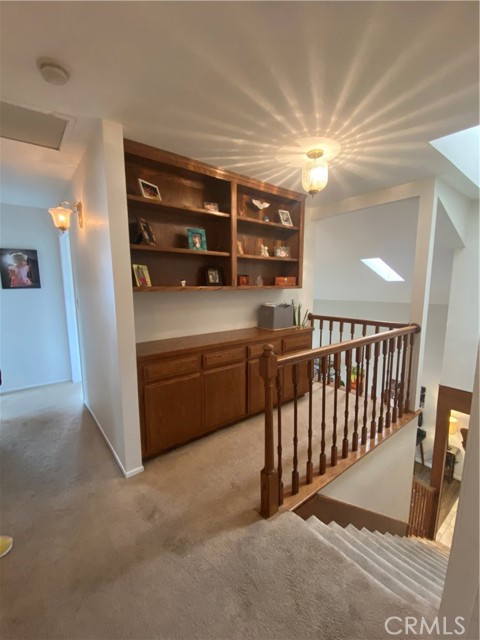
(231,82)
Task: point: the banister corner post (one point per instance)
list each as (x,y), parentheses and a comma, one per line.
(269,474)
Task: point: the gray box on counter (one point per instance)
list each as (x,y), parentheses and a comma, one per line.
(275,316)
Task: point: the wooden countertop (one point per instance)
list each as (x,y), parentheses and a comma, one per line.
(172,346)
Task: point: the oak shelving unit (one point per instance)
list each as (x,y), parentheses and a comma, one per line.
(234,234)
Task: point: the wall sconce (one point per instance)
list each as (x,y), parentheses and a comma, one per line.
(61,215)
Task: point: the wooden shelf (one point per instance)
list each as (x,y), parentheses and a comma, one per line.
(275,225)
(210,288)
(157,204)
(275,258)
(193,252)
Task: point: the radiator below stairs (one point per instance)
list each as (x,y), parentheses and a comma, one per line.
(413,569)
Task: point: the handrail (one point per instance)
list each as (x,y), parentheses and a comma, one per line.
(373,323)
(375,373)
(348,345)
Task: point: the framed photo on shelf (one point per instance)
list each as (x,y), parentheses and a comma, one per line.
(142,277)
(285,218)
(149,190)
(147,233)
(210,206)
(214,276)
(197,240)
(243,280)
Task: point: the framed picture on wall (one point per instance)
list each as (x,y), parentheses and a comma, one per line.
(19,269)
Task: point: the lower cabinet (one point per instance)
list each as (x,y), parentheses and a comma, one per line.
(173,412)
(195,385)
(225,395)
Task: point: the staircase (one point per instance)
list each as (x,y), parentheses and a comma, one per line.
(412,569)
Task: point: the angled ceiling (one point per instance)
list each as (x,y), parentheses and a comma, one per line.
(232,82)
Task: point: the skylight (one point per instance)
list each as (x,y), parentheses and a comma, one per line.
(382,269)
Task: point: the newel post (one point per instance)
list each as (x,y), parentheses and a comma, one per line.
(269,474)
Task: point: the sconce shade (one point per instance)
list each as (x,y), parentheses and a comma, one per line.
(452,426)
(315,173)
(61,217)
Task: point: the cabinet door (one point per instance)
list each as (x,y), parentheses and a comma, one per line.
(173,412)
(225,395)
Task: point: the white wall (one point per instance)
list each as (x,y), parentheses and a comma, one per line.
(463,318)
(382,480)
(34,341)
(101,267)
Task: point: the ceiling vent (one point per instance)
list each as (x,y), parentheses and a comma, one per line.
(33,127)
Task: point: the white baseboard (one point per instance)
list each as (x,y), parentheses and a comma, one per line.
(127,474)
(34,386)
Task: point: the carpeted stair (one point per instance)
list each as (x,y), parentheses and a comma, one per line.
(412,569)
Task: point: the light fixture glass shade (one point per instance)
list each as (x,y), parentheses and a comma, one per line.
(452,426)
(314,175)
(61,217)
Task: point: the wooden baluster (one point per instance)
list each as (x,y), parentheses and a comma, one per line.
(402,377)
(269,475)
(295,474)
(319,360)
(377,330)
(391,349)
(373,423)
(365,394)
(397,379)
(323,457)
(336,367)
(363,388)
(310,418)
(341,331)
(348,365)
(382,388)
(279,438)
(409,381)
(352,330)
(330,332)
(358,360)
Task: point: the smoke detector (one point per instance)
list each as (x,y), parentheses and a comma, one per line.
(52,71)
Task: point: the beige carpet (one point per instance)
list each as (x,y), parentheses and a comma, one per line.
(176,552)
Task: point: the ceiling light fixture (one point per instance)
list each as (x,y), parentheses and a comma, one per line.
(52,71)
(61,215)
(315,172)
(382,269)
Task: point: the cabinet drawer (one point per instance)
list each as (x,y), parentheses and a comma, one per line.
(256,350)
(219,358)
(297,343)
(171,367)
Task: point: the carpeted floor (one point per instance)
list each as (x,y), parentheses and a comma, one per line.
(178,552)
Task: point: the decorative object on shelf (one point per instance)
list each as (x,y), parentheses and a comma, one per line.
(61,215)
(183,283)
(214,276)
(275,316)
(142,277)
(298,319)
(197,239)
(149,190)
(285,281)
(285,217)
(264,251)
(147,233)
(266,218)
(281,251)
(243,280)
(260,204)
(19,269)
(259,281)
(239,248)
(210,206)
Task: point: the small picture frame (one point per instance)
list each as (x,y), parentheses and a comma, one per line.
(141,275)
(243,280)
(285,218)
(149,190)
(197,240)
(239,248)
(211,206)
(147,234)
(19,269)
(214,277)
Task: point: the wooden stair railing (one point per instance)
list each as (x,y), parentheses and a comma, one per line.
(421,509)
(384,360)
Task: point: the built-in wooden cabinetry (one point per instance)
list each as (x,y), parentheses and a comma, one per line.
(191,386)
(241,239)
